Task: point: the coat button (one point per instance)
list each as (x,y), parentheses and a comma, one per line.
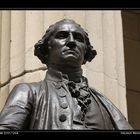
(64,105)
(62,117)
(62,94)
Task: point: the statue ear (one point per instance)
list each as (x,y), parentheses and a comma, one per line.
(90,54)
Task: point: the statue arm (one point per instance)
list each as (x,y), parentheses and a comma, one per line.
(17,110)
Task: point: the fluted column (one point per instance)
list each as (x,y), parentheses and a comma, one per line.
(17,51)
(95,69)
(5,22)
(109,48)
(50,17)
(0,41)
(114,87)
(5,46)
(120,63)
(17,42)
(34,30)
(79,16)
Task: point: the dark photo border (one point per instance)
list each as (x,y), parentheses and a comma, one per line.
(70,5)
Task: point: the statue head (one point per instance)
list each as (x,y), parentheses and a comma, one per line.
(43,46)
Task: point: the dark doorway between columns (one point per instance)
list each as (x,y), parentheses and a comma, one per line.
(131,36)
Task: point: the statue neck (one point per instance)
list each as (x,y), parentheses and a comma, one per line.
(73,73)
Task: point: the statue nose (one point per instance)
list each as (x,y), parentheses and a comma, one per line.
(71,42)
(71,38)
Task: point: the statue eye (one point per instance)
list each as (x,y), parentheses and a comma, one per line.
(78,37)
(61,35)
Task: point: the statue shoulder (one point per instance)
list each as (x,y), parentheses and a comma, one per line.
(23,93)
(26,88)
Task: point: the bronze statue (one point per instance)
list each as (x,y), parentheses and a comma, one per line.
(63,100)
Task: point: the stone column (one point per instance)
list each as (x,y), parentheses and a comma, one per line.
(34,30)
(109,56)
(17,51)
(52,16)
(5,29)
(95,69)
(114,73)
(120,63)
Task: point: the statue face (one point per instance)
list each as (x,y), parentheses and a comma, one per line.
(67,45)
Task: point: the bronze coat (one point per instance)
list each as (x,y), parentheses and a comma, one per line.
(38,106)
